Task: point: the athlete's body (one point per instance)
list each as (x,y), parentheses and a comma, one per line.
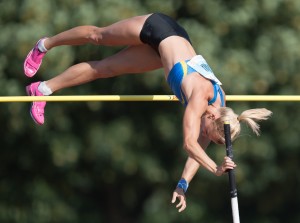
(153,41)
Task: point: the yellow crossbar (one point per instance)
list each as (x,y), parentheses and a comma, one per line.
(72,98)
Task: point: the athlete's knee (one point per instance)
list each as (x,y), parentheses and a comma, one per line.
(95,35)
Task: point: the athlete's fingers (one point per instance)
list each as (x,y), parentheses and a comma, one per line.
(174,197)
(182,207)
(181,201)
(228,162)
(182,204)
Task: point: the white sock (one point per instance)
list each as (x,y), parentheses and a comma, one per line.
(41,46)
(44,89)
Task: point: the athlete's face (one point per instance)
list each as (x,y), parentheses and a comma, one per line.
(208,130)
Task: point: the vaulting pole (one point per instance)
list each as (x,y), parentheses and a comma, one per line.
(232,184)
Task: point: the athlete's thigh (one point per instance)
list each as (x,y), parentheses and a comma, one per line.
(133,59)
(124,32)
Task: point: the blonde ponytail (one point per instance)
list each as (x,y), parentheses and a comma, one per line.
(250,117)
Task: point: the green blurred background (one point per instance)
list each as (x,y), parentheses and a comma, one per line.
(120,161)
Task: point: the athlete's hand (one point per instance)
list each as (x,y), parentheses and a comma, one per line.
(178,193)
(227,164)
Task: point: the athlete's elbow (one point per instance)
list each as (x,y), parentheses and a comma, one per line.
(188,146)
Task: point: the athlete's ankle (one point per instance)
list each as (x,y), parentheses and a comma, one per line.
(44,89)
(41,46)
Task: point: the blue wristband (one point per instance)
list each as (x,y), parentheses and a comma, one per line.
(183,184)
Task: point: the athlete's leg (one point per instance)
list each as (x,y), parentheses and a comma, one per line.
(125,32)
(134,59)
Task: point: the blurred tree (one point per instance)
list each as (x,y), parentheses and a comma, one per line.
(119,162)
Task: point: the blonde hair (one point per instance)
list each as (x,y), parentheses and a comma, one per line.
(250,117)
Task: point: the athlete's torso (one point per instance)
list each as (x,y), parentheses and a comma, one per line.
(173,50)
(173,45)
(195,76)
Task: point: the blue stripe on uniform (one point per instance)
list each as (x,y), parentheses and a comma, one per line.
(175,77)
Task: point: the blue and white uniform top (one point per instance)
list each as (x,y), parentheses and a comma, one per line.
(196,64)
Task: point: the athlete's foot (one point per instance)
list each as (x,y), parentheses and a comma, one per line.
(37,107)
(33,60)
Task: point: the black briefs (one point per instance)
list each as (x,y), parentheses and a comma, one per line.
(157,27)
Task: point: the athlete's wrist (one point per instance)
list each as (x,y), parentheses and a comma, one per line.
(219,171)
(183,184)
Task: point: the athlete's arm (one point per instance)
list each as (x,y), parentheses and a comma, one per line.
(192,166)
(190,169)
(191,129)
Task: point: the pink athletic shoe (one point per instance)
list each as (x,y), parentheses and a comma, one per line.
(33,60)
(37,107)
